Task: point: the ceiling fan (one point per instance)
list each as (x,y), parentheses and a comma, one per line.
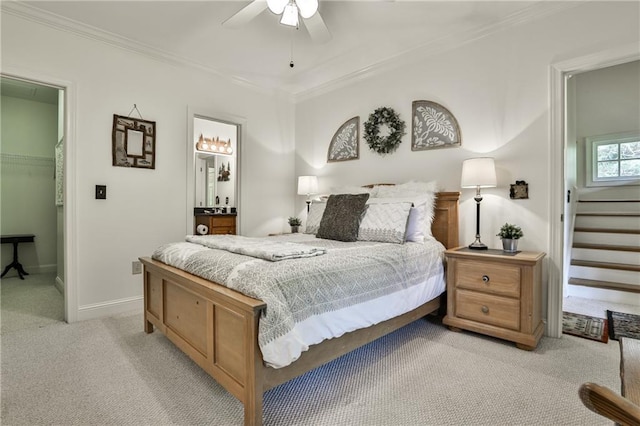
(291,11)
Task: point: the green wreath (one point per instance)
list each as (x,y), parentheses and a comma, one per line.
(377,143)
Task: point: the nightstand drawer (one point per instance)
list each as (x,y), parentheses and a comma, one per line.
(494,278)
(499,311)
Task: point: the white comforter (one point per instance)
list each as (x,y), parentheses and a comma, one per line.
(351,286)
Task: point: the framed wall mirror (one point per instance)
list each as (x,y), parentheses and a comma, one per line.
(213,167)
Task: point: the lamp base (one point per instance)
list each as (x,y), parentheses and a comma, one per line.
(478,245)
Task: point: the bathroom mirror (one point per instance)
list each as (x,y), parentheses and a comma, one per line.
(214,145)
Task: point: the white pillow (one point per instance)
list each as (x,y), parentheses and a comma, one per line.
(406,189)
(351,189)
(316,210)
(414,228)
(385,222)
(423,195)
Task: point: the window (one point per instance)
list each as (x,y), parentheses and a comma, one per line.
(613,159)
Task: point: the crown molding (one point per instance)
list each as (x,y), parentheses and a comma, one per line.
(303,86)
(426,50)
(52,20)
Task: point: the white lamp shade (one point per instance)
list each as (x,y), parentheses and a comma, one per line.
(290,15)
(277,6)
(478,172)
(307,7)
(307,185)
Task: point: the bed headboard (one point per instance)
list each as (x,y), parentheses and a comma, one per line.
(445,219)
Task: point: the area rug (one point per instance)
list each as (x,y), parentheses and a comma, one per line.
(585,326)
(623,325)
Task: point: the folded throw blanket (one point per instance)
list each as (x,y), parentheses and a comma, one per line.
(262,248)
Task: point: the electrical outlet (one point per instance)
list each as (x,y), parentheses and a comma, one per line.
(136,267)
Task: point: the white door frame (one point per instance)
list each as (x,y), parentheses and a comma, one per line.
(70,206)
(559,72)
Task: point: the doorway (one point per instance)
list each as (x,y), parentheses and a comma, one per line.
(603,124)
(32,160)
(562,208)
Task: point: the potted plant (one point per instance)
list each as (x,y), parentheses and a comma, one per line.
(510,235)
(295,223)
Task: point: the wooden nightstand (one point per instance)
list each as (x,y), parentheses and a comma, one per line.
(496,293)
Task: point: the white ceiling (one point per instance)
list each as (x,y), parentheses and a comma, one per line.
(365,34)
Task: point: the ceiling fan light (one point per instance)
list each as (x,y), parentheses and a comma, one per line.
(277,6)
(307,7)
(290,15)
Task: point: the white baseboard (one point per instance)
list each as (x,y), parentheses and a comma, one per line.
(34,269)
(60,285)
(114,307)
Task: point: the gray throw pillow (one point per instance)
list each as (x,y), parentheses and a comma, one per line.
(341,218)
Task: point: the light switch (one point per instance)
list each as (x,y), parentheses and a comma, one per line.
(101,192)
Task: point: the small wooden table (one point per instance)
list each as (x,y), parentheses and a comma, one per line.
(15,239)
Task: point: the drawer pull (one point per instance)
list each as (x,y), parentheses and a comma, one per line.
(485,309)
(485,278)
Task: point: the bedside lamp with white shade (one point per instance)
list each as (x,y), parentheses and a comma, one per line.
(478,173)
(307,185)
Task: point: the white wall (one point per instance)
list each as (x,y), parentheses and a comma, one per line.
(498,89)
(146,208)
(29,132)
(607,101)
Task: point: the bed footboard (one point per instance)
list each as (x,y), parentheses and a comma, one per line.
(215,326)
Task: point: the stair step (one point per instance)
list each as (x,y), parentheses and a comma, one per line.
(607,230)
(609,285)
(601,274)
(612,247)
(602,221)
(629,206)
(610,214)
(609,201)
(610,239)
(605,265)
(606,256)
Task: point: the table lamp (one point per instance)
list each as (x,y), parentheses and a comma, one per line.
(478,173)
(307,185)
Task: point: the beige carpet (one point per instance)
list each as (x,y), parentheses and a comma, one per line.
(32,302)
(109,372)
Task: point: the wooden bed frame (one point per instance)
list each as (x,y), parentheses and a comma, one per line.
(218,327)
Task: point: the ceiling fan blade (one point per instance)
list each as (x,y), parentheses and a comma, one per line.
(317,28)
(246,14)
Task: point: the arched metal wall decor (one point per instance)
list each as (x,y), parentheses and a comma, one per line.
(345,142)
(433,126)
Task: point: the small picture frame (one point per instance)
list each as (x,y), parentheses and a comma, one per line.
(133,142)
(519,190)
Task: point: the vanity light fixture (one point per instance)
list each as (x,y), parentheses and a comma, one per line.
(214,145)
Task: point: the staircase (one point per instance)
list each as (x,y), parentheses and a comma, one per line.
(605,256)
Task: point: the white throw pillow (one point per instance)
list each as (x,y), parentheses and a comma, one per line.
(351,189)
(385,222)
(414,226)
(423,195)
(316,210)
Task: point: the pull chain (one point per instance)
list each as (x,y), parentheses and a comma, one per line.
(291,64)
